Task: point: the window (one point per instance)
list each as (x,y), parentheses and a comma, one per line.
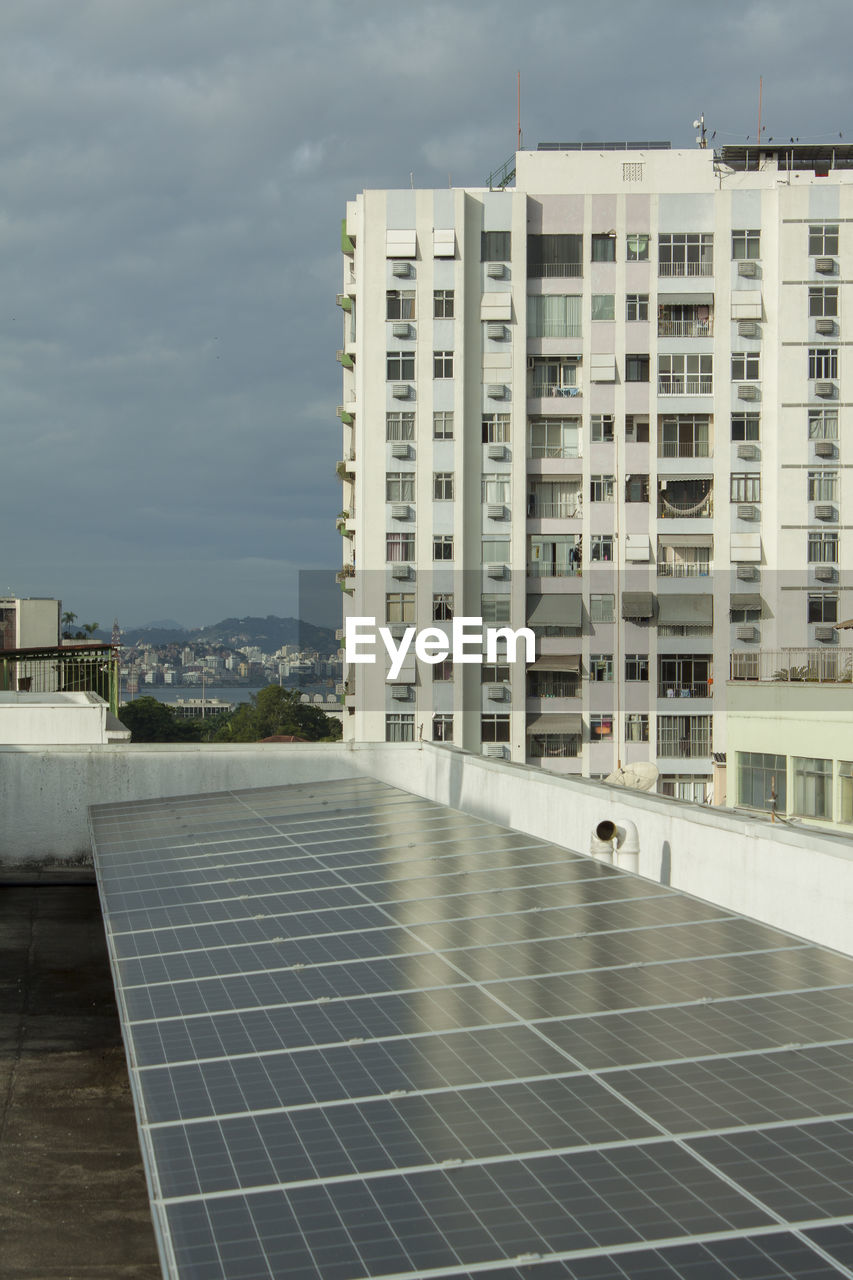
(495,488)
(637,306)
(686,254)
(685,375)
(601,546)
(746,244)
(823,300)
(823,240)
(495,428)
(812,787)
(823,424)
(637,727)
(601,425)
(400,304)
(442,546)
(494,728)
(675,560)
(554,255)
(400,728)
(554,315)
(745,487)
(637,368)
(442,364)
(442,728)
(823,548)
(442,425)
(602,608)
(400,606)
(400,486)
(685,736)
(442,607)
(495,550)
(636,429)
(684,786)
(399,547)
(744,666)
(399,364)
(603,306)
(442,485)
(495,246)
(442,304)
(443,671)
(600,728)
(555,437)
(399,426)
(604,248)
(494,672)
(822,607)
(494,609)
(637,248)
(822,486)
(745,426)
(845,790)
(637,666)
(823,362)
(553,375)
(602,488)
(601,667)
(744,615)
(554,555)
(637,488)
(746,366)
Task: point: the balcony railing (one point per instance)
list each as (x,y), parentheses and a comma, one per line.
(684,449)
(555,689)
(794,666)
(676,384)
(547,569)
(685,268)
(567,509)
(547,270)
(548,390)
(695,746)
(684,689)
(685,328)
(684,569)
(555,451)
(89,668)
(697,509)
(553,746)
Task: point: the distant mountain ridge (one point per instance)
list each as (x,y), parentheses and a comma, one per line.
(267,634)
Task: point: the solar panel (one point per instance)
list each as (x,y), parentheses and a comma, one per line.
(372,1036)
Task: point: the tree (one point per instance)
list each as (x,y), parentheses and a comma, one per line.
(277,711)
(91,627)
(151,721)
(68,620)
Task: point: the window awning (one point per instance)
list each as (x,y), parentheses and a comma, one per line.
(401,244)
(685,610)
(555,611)
(602,368)
(569,723)
(746,548)
(686,540)
(638,604)
(443,243)
(637,547)
(746,600)
(496,306)
(685,299)
(556,662)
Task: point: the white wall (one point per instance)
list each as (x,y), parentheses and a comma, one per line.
(49,719)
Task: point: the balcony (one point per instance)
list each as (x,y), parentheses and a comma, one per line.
(552,390)
(677,384)
(684,569)
(684,449)
(551,569)
(684,689)
(684,269)
(566,509)
(695,746)
(690,328)
(794,666)
(554,270)
(686,500)
(86,668)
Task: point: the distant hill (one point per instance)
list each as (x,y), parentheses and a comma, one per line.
(267,634)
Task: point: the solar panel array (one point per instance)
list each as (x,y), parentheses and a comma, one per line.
(369,1035)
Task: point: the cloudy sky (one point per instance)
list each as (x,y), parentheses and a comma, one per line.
(172,178)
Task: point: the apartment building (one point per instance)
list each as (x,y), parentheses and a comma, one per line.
(605,403)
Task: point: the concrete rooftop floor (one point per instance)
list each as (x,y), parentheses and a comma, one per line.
(74,1201)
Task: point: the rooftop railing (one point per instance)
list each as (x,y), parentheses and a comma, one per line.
(85,668)
(794,666)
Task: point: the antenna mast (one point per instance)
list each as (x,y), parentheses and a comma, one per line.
(518,75)
(760,86)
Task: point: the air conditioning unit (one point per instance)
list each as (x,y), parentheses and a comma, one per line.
(402,572)
(496,270)
(747,391)
(826,266)
(824,449)
(496,692)
(497,332)
(401,692)
(749,328)
(747,572)
(400,391)
(496,511)
(825,389)
(401,269)
(748,451)
(825,573)
(401,330)
(497,452)
(496,391)
(746,511)
(747,632)
(496,570)
(401,511)
(824,325)
(826,634)
(400,451)
(494,749)
(340,299)
(746,267)
(824,511)
(531,362)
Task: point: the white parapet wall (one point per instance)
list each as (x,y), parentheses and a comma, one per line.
(797,879)
(55,719)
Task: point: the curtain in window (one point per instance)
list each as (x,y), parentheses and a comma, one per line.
(554,316)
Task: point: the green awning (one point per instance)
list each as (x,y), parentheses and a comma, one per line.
(685,610)
(638,604)
(556,610)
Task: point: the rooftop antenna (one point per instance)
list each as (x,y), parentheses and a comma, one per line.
(518,81)
(760,87)
(703,134)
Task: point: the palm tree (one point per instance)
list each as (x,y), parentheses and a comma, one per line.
(68,620)
(91,627)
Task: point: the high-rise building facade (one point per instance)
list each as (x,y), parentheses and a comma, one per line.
(607,404)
